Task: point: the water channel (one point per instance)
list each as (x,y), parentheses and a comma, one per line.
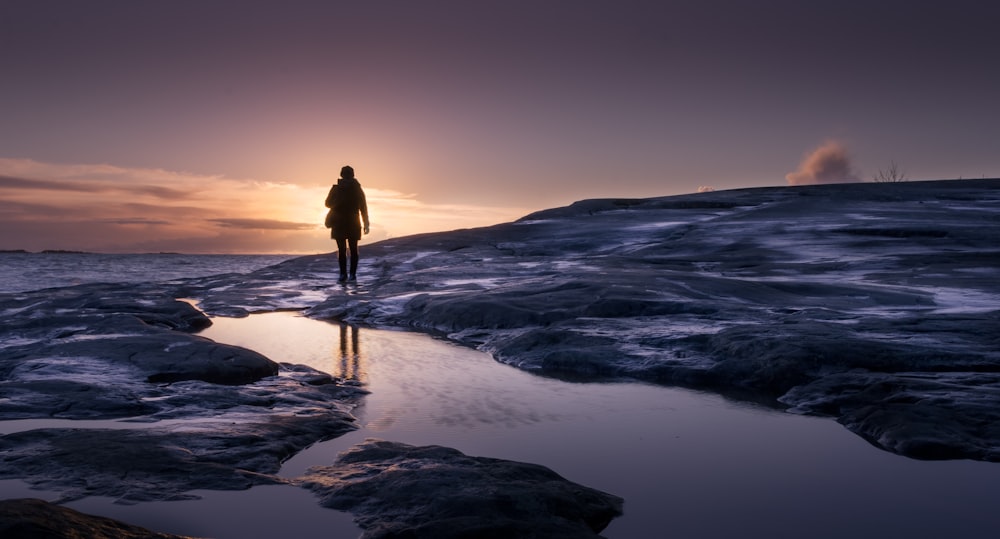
(688,464)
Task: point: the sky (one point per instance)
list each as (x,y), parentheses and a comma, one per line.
(214,126)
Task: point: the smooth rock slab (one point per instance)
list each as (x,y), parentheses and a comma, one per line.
(161,463)
(35,519)
(397,490)
(103,351)
(757,294)
(924,415)
(201,415)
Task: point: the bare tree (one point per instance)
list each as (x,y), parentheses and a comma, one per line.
(891,175)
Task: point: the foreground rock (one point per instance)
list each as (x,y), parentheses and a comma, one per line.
(193,414)
(178,413)
(877,304)
(36,519)
(398,490)
(93,351)
(162,462)
(794,297)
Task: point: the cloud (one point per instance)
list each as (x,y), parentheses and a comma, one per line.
(115,209)
(263,224)
(27,209)
(137,221)
(10,182)
(104,208)
(705,189)
(829,163)
(78,185)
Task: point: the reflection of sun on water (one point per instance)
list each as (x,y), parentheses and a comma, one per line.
(287,337)
(291,338)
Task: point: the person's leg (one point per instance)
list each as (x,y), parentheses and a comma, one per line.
(354,257)
(342,257)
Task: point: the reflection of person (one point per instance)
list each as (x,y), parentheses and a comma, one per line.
(346,201)
(350,354)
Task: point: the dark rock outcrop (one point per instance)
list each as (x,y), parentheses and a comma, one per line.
(161,463)
(35,519)
(755,293)
(201,414)
(398,490)
(875,304)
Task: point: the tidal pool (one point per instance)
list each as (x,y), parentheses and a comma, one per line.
(688,464)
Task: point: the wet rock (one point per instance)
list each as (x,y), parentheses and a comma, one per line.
(158,357)
(35,519)
(776,295)
(162,462)
(923,415)
(398,490)
(59,398)
(105,351)
(199,414)
(756,293)
(147,304)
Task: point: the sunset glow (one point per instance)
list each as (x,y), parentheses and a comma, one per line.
(104,208)
(219,126)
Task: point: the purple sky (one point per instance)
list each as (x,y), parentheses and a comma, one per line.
(456,113)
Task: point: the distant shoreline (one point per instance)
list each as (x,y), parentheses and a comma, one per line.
(70,252)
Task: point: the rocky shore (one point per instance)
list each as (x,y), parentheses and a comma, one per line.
(877,305)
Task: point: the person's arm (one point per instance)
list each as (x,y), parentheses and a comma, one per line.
(363,207)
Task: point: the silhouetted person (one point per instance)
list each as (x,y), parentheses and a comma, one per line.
(346,201)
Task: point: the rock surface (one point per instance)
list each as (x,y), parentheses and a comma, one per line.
(200,414)
(36,519)
(773,295)
(161,463)
(399,490)
(875,304)
(193,414)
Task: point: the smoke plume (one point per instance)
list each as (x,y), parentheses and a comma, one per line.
(829,163)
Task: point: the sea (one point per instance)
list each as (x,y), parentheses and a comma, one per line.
(23,271)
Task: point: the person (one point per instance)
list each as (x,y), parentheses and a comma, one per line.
(346,201)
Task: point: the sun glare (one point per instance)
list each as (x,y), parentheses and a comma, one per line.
(105,208)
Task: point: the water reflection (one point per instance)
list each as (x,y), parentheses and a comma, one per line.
(672,454)
(351,359)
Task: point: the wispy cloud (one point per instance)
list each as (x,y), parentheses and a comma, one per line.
(829,163)
(94,184)
(137,222)
(263,224)
(10,182)
(116,209)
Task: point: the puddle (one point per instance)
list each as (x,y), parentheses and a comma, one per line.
(688,464)
(263,512)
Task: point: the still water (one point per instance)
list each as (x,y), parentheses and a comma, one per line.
(20,272)
(689,465)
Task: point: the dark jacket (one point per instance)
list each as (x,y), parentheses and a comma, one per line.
(346,202)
